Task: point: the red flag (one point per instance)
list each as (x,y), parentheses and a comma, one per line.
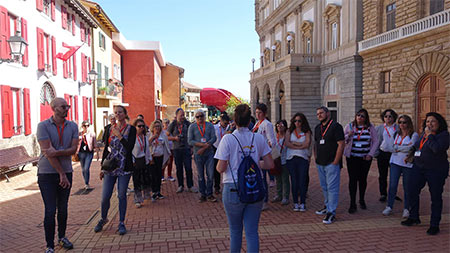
(65,56)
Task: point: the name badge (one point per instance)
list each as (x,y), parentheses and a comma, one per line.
(109,149)
(203,140)
(358,145)
(322,141)
(417,153)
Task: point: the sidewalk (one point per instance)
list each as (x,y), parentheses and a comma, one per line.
(179,223)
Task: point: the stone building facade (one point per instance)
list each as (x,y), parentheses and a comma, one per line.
(309,57)
(406,54)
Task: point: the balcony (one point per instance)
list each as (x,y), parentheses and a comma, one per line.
(423,25)
(290,60)
(112,91)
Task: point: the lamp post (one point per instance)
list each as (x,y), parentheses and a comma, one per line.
(262,60)
(92,75)
(289,38)
(17,46)
(273,52)
(253,64)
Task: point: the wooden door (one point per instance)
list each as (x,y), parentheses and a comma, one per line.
(431,98)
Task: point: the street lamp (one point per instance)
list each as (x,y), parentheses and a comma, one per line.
(17,46)
(289,38)
(253,64)
(273,52)
(92,75)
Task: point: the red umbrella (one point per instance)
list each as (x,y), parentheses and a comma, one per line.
(216,97)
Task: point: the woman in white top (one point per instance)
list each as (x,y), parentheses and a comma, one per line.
(230,156)
(169,163)
(282,174)
(298,141)
(399,145)
(85,151)
(141,162)
(160,150)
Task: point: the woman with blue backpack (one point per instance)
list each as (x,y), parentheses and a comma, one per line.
(243,188)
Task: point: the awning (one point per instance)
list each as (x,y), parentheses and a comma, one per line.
(215,97)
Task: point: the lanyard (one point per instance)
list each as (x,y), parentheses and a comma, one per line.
(257,126)
(141,142)
(204,129)
(180,128)
(422,142)
(221,133)
(300,135)
(401,141)
(321,129)
(110,130)
(387,131)
(60,133)
(282,144)
(84,139)
(360,133)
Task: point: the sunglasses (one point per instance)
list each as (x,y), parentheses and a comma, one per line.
(85,125)
(199,116)
(141,126)
(361,115)
(403,122)
(297,121)
(65,107)
(388,116)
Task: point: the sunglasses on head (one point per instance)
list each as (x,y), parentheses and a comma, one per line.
(199,116)
(141,126)
(361,115)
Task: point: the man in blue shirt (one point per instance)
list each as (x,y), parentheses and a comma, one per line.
(202,137)
(58,139)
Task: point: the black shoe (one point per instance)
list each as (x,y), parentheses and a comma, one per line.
(410,222)
(322,211)
(159,196)
(383,198)
(217,191)
(329,218)
(65,243)
(398,198)
(362,204)
(100,225)
(202,199)
(433,230)
(352,209)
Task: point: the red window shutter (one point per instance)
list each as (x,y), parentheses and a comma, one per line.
(89,37)
(90,110)
(74,58)
(40,47)
(26,110)
(19,117)
(65,71)
(54,64)
(68,99)
(4,33)
(73,25)
(83,68)
(89,64)
(85,108)
(53,10)
(25,36)
(7,111)
(75,102)
(82,34)
(40,5)
(64,17)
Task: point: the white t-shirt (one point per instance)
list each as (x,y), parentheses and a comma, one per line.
(158,146)
(220,132)
(388,132)
(400,149)
(230,151)
(303,153)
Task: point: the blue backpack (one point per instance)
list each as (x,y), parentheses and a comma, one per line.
(250,184)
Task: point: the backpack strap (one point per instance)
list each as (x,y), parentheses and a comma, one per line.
(253,137)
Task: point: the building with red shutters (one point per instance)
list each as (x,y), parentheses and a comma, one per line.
(55,64)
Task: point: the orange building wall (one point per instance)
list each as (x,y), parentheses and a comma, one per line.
(170,90)
(139,85)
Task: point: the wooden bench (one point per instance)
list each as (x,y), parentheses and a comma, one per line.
(15,158)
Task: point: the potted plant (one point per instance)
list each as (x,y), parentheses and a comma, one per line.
(102,90)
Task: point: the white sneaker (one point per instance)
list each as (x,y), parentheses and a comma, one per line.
(296,208)
(302,208)
(265,207)
(387,211)
(138,205)
(405,213)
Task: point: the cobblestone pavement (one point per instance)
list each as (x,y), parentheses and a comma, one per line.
(179,223)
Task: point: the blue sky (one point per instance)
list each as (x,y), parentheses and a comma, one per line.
(213,40)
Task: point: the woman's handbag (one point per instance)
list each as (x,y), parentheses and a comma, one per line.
(75,158)
(277,169)
(109,164)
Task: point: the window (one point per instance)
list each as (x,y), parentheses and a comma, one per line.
(47,52)
(308,45)
(47,7)
(116,73)
(436,6)
(106,76)
(99,74)
(332,86)
(390,17)
(69,22)
(15,111)
(334,36)
(101,41)
(332,106)
(266,12)
(385,82)
(276,3)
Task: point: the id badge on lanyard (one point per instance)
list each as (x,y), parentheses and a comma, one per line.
(203,140)
(322,141)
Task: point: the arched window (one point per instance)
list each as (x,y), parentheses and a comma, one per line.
(47,95)
(332,89)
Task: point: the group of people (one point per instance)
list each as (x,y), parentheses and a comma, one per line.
(283,152)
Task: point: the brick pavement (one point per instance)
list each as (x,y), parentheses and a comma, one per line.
(180,224)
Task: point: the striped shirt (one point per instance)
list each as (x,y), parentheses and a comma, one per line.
(361,141)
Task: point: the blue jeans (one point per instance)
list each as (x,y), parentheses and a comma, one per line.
(182,158)
(241,214)
(54,197)
(396,171)
(85,160)
(205,162)
(298,168)
(108,187)
(330,177)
